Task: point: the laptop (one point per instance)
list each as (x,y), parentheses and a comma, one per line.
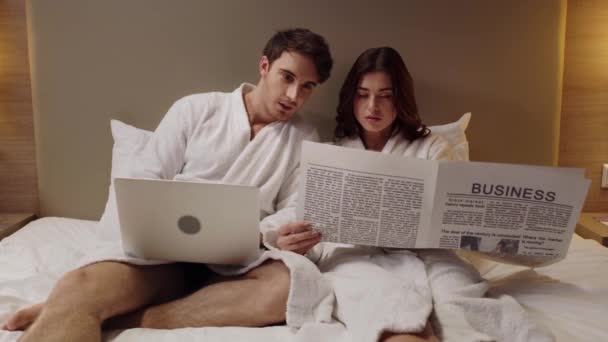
(188,221)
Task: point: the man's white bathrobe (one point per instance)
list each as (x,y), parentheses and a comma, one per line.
(395,290)
(206,137)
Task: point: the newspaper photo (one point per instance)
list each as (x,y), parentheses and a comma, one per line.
(514,213)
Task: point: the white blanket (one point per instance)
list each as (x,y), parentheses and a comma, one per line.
(206,137)
(376,291)
(466,312)
(570,297)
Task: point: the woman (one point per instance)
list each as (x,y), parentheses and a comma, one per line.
(377,111)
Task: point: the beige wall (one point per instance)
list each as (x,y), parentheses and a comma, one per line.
(584,119)
(96,60)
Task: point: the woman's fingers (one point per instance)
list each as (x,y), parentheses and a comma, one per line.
(294,227)
(288,242)
(297,237)
(304,243)
(307,247)
(303,246)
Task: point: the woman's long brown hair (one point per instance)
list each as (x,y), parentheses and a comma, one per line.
(385,59)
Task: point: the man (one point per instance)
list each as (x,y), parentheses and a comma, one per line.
(244,137)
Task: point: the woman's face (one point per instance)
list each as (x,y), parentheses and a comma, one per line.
(374,106)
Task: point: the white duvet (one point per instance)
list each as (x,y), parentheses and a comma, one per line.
(570,297)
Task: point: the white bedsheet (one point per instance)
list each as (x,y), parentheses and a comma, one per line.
(570,297)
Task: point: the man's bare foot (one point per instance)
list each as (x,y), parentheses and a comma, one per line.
(23,318)
(59,325)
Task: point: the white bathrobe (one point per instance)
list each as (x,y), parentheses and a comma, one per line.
(206,137)
(393,290)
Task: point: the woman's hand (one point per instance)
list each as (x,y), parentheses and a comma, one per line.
(297,237)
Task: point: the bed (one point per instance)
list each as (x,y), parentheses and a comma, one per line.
(569,297)
(87,69)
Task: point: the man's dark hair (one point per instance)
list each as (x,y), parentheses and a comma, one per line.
(385,59)
(304,42)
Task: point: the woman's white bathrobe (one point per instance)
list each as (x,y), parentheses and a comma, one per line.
(206,137)
(395,290)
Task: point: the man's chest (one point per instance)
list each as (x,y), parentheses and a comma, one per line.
(215,146)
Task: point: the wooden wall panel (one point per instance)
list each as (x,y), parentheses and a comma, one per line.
(584,121)
(18,184)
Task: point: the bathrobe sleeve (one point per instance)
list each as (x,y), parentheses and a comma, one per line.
(164,154)
(286,202)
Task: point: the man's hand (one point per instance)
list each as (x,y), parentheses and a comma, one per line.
(298,237)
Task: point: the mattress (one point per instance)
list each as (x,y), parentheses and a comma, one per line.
(570,297)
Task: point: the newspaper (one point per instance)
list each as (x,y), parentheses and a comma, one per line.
(515,213)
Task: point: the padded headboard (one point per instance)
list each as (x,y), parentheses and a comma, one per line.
(95,60)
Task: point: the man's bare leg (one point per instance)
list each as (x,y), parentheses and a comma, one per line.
(83,298)
(255,299)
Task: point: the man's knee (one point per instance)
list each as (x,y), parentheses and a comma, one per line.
(75,290)
(271,269)
(77,281)
(280,279)
(275,281)
(88,278)
(85,283)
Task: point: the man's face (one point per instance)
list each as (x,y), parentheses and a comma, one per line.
(287,84)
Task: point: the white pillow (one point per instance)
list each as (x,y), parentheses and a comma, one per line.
(128,142)
(454,133)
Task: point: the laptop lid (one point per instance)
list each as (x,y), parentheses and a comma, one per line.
(188,221)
